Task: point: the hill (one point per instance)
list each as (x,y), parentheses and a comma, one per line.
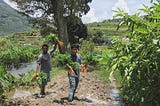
(11,21)
(107,27)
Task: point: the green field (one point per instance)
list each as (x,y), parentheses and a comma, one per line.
(24,46)
(107,28)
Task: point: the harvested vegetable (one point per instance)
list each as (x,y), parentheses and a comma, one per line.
(42,78)
(60,43)
(70,69)
(35,75)
(83,68)
(53,38)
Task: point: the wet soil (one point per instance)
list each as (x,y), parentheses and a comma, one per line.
(91,91)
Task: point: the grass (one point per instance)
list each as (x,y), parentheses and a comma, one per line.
(56,71)
(118,78)
(102,69)
(24,38)
(107,28)
(110,32)
(103,73)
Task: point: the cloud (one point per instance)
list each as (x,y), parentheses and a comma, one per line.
(90,17)
(122,5)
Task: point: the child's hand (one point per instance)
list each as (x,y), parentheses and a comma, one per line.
(70,69)
(83,68)
(35,75)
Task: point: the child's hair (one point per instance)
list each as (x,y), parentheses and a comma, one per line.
(45,45)
(75,46)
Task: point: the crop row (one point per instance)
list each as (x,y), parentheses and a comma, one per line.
(15,55)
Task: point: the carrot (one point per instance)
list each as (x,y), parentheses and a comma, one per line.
(60,43)
(83,68)
(70,69)
(35,75)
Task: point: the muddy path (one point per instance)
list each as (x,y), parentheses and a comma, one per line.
(91,91)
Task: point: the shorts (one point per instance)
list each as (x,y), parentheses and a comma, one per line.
(44,83)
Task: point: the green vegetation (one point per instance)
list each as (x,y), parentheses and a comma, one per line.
(7,80)
(23,47)
(138,60)
(42,78)
(134,63)
(108,28)
(16,49)
(11,21)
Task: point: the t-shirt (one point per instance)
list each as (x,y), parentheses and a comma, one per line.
(45,61)
(77,58)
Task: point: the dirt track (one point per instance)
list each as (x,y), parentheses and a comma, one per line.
(90,92)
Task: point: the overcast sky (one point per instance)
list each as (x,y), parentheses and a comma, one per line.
(102,9)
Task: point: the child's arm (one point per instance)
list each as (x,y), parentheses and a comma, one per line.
(35,75)
(53,49)
(37,67)
(70,69)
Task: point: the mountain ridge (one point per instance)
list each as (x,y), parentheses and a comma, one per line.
(11,21)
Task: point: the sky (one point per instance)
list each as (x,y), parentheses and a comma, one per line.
(102,9)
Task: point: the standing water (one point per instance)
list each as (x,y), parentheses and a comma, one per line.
(24,68)
(20,92)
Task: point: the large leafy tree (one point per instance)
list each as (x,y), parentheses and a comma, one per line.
(76,29)
(54,13)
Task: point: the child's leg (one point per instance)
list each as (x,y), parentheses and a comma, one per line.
(72,88)
(42,88)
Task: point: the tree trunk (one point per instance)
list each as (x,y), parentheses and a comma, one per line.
(61,25)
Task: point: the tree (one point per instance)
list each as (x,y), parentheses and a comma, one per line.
(76,29)
(54,13)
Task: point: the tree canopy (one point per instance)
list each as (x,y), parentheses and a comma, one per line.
(53,13)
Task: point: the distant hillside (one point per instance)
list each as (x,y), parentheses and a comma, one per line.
(107,28)
(11,21)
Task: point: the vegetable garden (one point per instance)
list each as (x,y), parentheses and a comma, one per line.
(135,64)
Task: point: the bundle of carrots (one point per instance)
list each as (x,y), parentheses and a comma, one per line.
(70,69)
(60,43)
(53,38)
(83,68)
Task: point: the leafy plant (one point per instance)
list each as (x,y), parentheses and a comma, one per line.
(91,59)
(75,65)
(138,60)
(51,38)
(26,79)
(42,78)
(7,81)
(62,59)
(14,55)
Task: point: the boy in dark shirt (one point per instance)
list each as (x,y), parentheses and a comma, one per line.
(44,64)
(74,79)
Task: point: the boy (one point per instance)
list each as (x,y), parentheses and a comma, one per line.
(44,64)
(74,79)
